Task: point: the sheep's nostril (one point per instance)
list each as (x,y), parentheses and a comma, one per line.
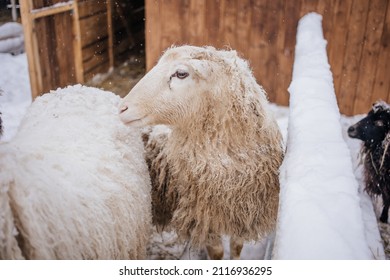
(352,131)
(123,108)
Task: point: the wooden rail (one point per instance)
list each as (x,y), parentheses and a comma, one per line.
(55,9)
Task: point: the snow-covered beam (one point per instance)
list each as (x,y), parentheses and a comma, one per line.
(319,215)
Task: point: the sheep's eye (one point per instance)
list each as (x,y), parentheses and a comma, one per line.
(379,123)
(181,74)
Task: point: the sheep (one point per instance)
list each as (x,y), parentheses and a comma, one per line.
(218,166)
(73,181)
(374,131)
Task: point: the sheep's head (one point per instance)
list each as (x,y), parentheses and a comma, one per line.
(184,80)
(374,127)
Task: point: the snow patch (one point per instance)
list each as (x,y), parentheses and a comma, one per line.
(320,214)
(15,92)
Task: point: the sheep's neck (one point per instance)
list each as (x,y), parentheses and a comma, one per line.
(211,136)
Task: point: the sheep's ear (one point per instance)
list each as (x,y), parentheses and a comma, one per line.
(230,54)
(201,68)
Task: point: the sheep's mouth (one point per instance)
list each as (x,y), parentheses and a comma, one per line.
(134,122)
(131,116)
(352,132)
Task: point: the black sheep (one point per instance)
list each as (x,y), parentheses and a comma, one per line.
(374,131)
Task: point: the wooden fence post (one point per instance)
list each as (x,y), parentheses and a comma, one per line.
(31,46)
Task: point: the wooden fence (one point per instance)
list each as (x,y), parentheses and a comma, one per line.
(69,42)
(263,31)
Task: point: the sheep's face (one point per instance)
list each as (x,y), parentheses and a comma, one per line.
(173,91)
(374,127)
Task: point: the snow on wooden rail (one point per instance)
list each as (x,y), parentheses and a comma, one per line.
(320,215)
(53,9)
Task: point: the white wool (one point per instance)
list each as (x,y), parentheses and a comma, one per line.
(76,181)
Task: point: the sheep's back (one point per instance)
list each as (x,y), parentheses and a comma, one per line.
(76,179)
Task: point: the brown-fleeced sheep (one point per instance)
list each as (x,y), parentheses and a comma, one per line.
(219,165)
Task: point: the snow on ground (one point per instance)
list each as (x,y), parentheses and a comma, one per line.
(15,92)
(317,219)
(320,212)
(11,38)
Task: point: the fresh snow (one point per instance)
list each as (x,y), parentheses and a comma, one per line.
(324,212)
(11,38)
(15,92)
(320,213)
(57,5)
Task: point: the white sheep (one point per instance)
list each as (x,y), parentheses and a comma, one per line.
(73,182)
(216,173)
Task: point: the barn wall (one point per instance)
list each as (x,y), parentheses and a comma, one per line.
(69,42)
(55,71)
(358,35)
(126,20)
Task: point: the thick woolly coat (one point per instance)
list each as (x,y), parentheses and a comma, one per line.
(73,182)
(217,173)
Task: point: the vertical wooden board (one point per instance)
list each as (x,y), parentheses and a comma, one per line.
(337,40)
(291,12)
(170,24)
(381,89)
(291,16)
(77,47)
(46,49)
(31,48)
(184,14)
(367,67)
(308,6)
(67,75)
(284,60)
(243,26)
(351,62)
(152,32)
(212,23)
(325,9)
(270,55)
(228,24)
(195,26)
(221,24)
(258,45)
(110,32)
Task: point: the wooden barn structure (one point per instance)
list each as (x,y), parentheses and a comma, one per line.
(262,31)
(70,41)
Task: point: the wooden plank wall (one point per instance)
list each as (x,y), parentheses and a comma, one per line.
(94,25)
(94,37)
(55,70)
(263,31)
(73,41)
